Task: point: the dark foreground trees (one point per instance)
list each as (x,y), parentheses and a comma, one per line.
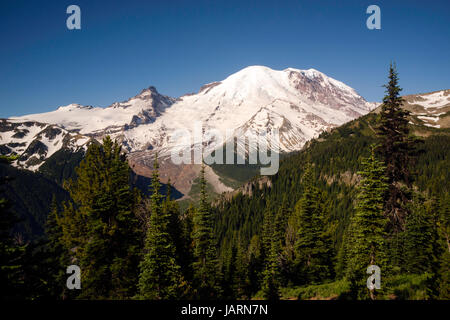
(206,277)
(11,252)
(366,234)
(160,274)
(99,230)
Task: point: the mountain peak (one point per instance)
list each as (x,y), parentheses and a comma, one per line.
(73,106)
(150,90)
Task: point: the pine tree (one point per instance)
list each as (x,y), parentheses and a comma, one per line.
(205,256)
(228,272)
(100,230)
(187,246)
(279,235)
(242,281)
(160,276)
(57,259)
(255,263)
(397,150)
(271,274)
(313,245)
(272,236)
(367,227)
(444,231)
(181,238)
(421,237)
(11,253)
(267,230)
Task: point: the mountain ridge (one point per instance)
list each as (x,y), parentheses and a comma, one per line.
(299,103)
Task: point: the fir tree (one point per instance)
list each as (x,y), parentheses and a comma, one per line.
(367,228)
(313,246)
(160,276)
(444,231)
(255,263)
(56,257)
(181,237)
(271,274)
(187,245)
(397,150)
(205,256)
(242,281)
(228,273)
(421,237)
(267,230)
(100,231)
(11,252)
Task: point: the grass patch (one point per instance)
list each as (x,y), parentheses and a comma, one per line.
(327,291)
(408,287)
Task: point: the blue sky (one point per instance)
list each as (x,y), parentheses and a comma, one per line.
(177,46)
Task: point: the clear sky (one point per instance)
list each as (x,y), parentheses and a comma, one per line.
(177,46)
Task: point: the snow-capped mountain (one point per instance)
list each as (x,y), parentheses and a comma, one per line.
(34,142)
(431,109)
(300,104)
(141,109)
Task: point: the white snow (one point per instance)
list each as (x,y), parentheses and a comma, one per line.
(435,119)
(35,132)
(236,100)
(301,103)
(89,119)
(433,100)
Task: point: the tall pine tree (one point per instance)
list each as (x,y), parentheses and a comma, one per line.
(160,276)
(366,237)
(100,231)
(11,253)
(313,246)
(272,272)
(397,149)
(205,256)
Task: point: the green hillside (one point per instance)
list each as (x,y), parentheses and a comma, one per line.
(336,157)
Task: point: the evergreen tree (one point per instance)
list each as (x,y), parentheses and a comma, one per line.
(444,231)
(228,272)
(11,252)
(267,230)
(205,255)
(343,253)
(313,245)
(100,231)
(255,263)
(242,281)
(160,276)
(421,237)
(180,236)
(187,246)
(397,149)
(271,274)
(367,228)
(55,258)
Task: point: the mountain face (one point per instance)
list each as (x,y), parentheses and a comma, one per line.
(35,142)
(430,109)
(118,117)
(300,104)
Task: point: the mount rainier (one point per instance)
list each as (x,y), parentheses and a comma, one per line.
(299,103)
